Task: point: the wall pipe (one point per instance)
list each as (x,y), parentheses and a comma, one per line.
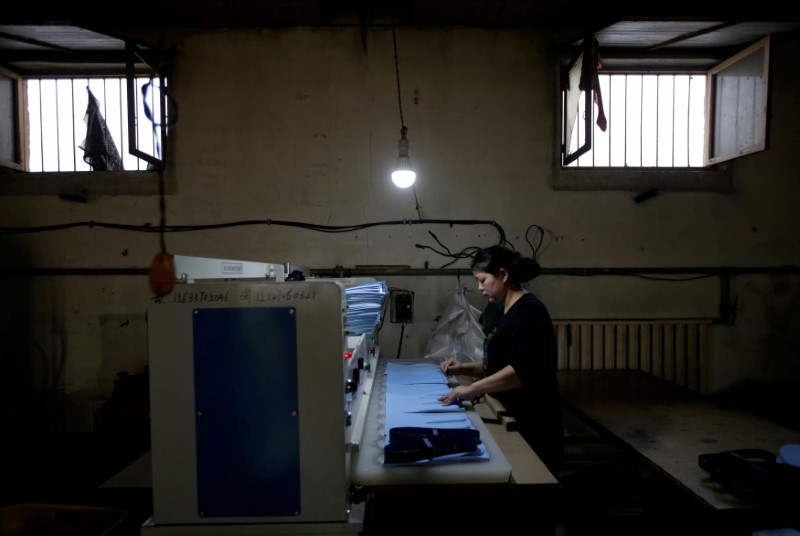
(727,305)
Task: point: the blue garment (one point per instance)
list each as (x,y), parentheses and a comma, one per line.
(412,391)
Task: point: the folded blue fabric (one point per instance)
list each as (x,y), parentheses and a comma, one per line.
(413,444)
(419,404)
(412,403)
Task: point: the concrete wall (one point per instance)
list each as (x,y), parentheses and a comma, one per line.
(301,125)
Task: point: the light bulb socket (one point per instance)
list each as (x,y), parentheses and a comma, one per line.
(402,147)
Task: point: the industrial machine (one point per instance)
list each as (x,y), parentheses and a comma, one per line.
(263,419)
(256,390)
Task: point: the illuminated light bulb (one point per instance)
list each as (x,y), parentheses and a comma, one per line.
(403,175)
(403,178)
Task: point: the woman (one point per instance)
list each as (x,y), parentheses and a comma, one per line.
(519,358)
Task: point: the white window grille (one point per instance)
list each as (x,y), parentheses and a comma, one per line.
(56,121)
(665,129)
(654,120)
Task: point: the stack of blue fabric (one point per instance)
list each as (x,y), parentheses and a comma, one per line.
(364,305)
(414,414)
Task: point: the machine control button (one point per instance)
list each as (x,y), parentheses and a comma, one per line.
(351,386)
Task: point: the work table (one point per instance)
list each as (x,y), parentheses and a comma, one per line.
(669,426)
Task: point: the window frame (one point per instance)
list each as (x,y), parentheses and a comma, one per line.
(132,52)
(82,185)
(716,176)
(718,120)
(19,128)
(588,51)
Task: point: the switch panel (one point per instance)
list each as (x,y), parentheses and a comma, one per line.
(402,302)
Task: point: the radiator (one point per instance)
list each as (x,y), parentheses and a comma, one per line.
(675,350)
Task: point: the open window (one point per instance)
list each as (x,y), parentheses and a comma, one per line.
(737,104)
(580,81)
(12,126)
(669,126)
(152,110)
(68,114)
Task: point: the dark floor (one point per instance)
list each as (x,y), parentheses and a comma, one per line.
(599,494)
(67,473)
(609,493)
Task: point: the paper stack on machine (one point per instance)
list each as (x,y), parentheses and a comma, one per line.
(364,305)
(419,430)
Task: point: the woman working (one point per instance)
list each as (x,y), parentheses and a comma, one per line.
(519,364)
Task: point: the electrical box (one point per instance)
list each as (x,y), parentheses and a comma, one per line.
(402,302)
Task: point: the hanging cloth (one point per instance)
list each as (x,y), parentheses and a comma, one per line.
(582,75)
(99,149)
(590,80)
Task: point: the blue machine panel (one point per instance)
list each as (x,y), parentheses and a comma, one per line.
(248,434)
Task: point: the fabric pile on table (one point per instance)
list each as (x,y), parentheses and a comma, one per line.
(418,429)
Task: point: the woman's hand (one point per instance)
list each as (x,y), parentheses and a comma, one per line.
(456,396)
(450,367)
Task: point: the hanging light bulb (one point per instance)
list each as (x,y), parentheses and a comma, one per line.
(403,175)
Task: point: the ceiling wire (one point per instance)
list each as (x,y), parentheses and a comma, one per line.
(403,128)
(397,74)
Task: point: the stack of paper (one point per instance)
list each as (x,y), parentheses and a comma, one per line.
(364,306)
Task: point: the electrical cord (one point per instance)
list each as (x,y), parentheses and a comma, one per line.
(465,253)
(537,246)
(400,342)
(148,228)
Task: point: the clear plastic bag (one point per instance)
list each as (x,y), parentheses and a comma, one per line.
(459,334)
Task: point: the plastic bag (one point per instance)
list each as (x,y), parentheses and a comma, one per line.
(459,334)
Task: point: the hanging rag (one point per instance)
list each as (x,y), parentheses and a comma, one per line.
(590,79)
(99,149)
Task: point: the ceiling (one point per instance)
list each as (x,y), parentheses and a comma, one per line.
(38,35)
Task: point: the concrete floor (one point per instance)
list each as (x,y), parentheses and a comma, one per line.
(598,494)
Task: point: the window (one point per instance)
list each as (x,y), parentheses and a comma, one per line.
(738,104)
(661,130)
(12,128)
(654,120)
(84,127)
(58,110)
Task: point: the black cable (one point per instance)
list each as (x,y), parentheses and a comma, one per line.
(162,211)
(593,273)
(465,253)
(535,247)
(397,72)
(400,344)
(416,202)
(382,317)
(147,228)
(439,242)
(677,279)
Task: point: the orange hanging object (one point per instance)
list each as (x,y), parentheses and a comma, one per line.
(162,274)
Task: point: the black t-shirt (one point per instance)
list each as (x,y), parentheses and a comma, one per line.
(524,337)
